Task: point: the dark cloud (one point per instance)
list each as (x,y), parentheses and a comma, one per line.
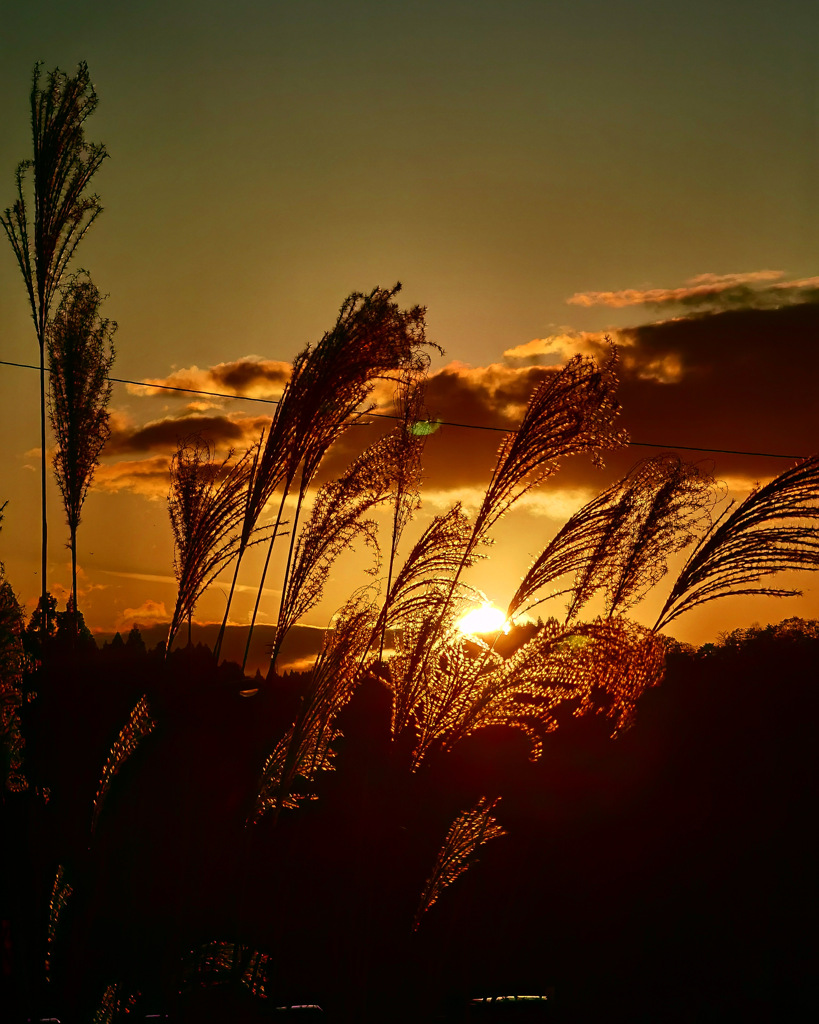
(743,380)
(747,378)
(461,453)
(248,377)
(737,379)
(245,376)
(164,435)
(493,395)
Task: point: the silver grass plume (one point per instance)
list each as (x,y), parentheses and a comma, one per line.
(571,412)
(620,541)
(468,832)
(406,472)
(773,530)
(139,725)
(372,339)
(454,676)
(218,962)
(61,893)
(424,580)
(114,1004)
(600,666)
(275,462)
(336,522)
(306,748)
(671,506)
(205,505)
(575,549)
(422,607)
(63,164)
(280,454)
(80,354)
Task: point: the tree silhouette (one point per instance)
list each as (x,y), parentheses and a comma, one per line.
(135,645)
(43,621)
(62,166)
(72,630)
(80,354)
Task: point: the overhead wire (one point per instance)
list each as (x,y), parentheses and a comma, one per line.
(392,416)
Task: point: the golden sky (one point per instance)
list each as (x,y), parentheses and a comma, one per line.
(535,174)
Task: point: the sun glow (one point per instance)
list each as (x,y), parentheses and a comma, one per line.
(484,619)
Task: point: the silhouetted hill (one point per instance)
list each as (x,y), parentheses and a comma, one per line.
(665,876)
(300,647)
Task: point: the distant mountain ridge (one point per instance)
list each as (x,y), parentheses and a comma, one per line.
(300,647)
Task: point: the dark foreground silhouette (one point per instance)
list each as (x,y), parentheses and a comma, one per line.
(665,876)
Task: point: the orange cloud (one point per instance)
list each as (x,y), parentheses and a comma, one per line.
(147,614)
(719,291)
(249,377)
(738,379)
(557,349)
(148,477)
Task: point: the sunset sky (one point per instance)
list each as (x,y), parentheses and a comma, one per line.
(537,174)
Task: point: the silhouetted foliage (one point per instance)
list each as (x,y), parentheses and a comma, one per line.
(135,645)
(624,849)
(72,629)
(43,621)
(12,664)
(117,643)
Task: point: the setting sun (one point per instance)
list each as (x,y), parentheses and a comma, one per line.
(484,619)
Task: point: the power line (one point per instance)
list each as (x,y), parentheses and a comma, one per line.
(391,416)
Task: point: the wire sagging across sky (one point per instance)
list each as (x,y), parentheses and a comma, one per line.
(390,416)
